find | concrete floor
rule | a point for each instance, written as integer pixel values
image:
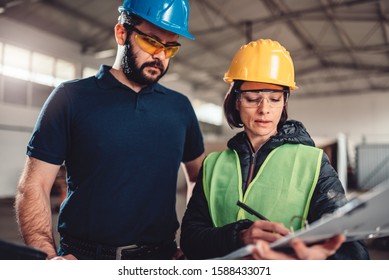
(378, 248)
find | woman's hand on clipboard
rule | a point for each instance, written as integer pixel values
(299, 250)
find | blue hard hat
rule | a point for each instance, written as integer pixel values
(171, 15)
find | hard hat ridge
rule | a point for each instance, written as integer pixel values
(171, 15)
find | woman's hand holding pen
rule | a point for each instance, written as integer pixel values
(263, 230)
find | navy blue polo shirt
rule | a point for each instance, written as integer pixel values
(122, 151)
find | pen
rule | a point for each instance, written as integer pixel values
(251, 211)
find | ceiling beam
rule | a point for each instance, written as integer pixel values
(343, 65)
(343, 92)
(92, 40)
(383, 24)
(333, 77)
(299, 14)
(306, 40)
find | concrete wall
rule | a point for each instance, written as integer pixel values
(359, 117)
(16, 123)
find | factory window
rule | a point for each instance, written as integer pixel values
(16, 62)
(28, 77)
(42, 69)
(64, 71)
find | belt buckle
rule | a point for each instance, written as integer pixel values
(120, 249)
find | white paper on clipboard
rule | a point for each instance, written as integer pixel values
(363, 217)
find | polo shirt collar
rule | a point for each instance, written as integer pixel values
(106, 80)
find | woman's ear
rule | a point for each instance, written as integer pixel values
(120, 34)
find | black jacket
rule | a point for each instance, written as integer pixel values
(200, 240)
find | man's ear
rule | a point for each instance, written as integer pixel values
(120, 34)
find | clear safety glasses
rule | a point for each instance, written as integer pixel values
(253, 98)
(152, 46)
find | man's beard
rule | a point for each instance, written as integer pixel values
(135, 73)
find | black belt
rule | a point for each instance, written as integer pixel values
(163, 250)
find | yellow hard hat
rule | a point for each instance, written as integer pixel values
(263, 61)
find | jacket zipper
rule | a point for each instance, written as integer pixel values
(252, 163)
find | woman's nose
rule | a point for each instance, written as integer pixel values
(264, 105)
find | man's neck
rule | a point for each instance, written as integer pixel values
(121, 77)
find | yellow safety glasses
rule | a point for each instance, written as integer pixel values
(152, 46)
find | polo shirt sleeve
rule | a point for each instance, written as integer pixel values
(194, 145)
(50, 137)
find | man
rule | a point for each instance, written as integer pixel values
(122, 137)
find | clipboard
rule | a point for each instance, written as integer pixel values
(363, 217)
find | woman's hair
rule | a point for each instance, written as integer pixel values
(232, 114)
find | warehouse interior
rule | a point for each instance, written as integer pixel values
(340, 50)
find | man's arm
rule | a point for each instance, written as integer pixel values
(191, 170)
(32, 205)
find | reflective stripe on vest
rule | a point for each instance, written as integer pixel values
(281, 190)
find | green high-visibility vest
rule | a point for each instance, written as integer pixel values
(281, 190)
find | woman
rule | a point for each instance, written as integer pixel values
(271, 166)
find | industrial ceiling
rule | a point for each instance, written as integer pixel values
(339, 47)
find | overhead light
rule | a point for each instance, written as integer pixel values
(209, 113)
